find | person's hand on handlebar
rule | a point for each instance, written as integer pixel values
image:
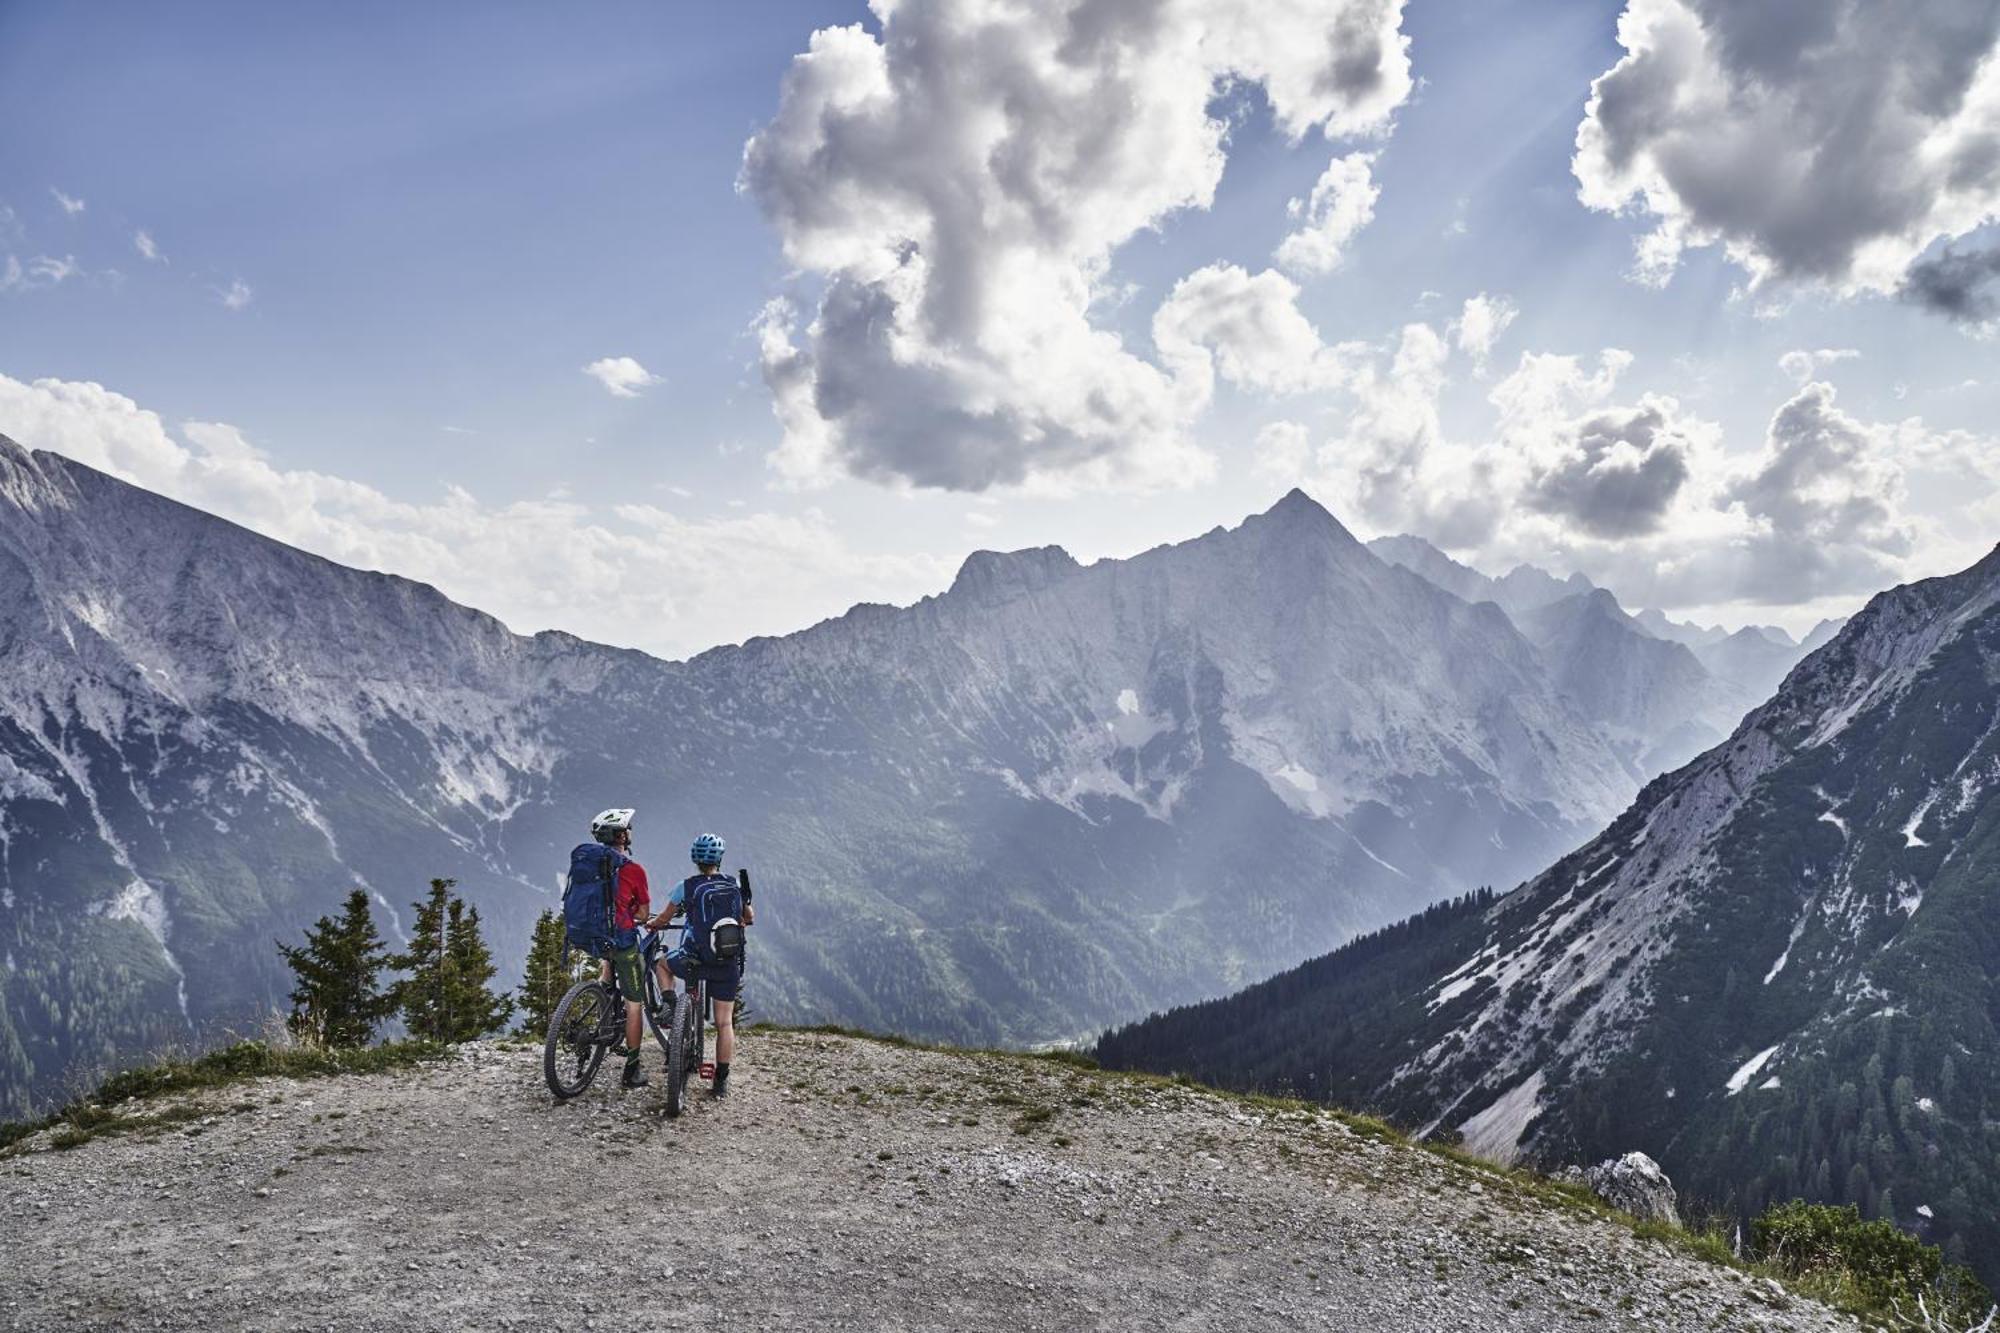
(661, 919)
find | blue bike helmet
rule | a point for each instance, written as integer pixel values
(707, 850)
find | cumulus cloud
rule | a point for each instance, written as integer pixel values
(1341, 204)
(1803, 364)
(621, 376)
(1823, 498)
(955, 189)
(1248, 327)
(1958, 285)
(68, 205)
(1607, 471)
(1479, 326)
(623, 573)
(1283, 451)
(1385, 456)
(1827, 143)
(236, 296)
(142, 241)
(1635, 490)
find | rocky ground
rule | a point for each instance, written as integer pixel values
(845, 1184)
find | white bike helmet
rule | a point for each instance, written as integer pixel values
(610, 823)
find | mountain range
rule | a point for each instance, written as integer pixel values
(1777, 972)
(1665, 690)
(1052, 797)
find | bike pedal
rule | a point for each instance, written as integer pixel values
(708, 1071)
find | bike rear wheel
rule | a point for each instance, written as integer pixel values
(574, 1047)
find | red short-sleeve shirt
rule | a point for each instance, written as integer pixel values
(633, 903)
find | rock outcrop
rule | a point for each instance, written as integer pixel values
(1634, 1184)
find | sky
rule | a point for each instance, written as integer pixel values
(673, 325)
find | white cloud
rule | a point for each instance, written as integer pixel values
(142, 241)
(1283, 452)
(1603, 470)
(1249, 328)
(1384, 458)
(1824, 499)
(236, 296)
(1825, 143)
(627, 574)
(1341, 204)
(621, 376)
(1803, 364)
(1479, 326)
(39, 272)
(1638, 492)
(960, 185)
(69, 205)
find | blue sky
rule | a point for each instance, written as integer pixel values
(433, 217)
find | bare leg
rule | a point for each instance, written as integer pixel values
(725, 1031)
(635, 1024)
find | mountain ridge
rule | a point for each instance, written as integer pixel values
(215, 736)
(1773, 972)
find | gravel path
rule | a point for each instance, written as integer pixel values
(845, 1184)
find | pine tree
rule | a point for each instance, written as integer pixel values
(336, 1000)
(421, 996)
(472, 1010)
(553, 967)
(444, 996)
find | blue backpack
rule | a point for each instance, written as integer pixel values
(714, 919)
(589, 897)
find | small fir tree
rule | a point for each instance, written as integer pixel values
(472, 1010)
(553, 967)
(420, 995)
(336, 998)
(444, 997)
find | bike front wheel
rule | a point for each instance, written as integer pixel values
(575, 1047)
(682, 1055)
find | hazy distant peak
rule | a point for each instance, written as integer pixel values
(1604, 600)
(1822, 634)
(1768, 633)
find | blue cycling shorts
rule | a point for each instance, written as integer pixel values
(723, 980)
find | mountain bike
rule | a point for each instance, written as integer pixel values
(590, 1021)
(687, 1041)
(689, 1015)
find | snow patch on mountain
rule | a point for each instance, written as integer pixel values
(140, 902)
(1749, 1069)
(1496, 1132)
(1798, 929)
(1916, 821)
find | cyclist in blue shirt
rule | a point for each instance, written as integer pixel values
(724, 980)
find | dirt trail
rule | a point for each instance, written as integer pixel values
(845, 1184)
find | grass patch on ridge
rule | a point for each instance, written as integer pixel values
(92, 1114)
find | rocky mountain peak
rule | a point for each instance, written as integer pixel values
(1004, 575)
(1297, 512)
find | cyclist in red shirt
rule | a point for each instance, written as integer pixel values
(631, 907)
